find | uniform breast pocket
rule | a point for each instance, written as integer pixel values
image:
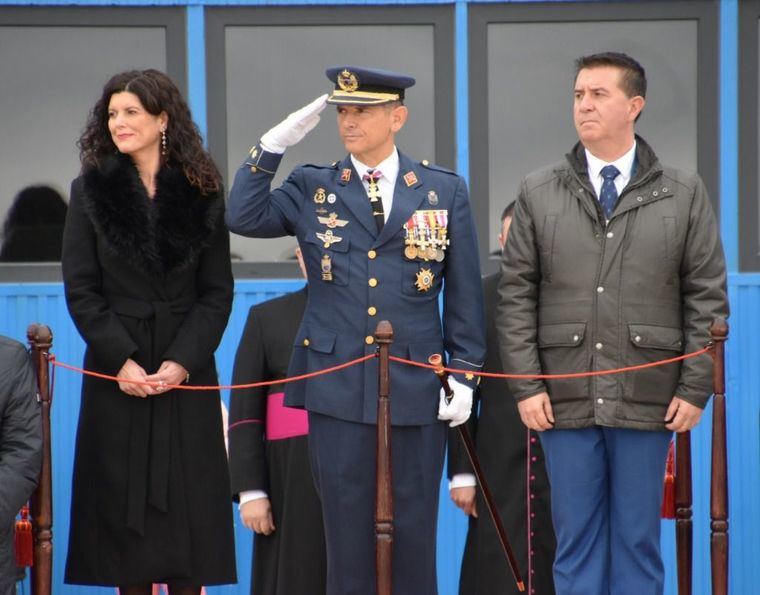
(327, 260)
(422, 278)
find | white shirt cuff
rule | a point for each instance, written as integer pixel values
(249, 495)
(460, 480)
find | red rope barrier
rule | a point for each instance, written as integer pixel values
(558, 376)
(359, 360)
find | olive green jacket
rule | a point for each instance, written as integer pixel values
(578, 295)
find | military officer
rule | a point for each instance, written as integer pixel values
(380, 233)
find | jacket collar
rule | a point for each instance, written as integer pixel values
(157, 236)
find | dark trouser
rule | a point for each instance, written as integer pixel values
(343, 462)
(607, 486)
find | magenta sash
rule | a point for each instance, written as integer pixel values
(284, 422)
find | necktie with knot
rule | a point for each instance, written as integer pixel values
(373, 192)
(608, 195)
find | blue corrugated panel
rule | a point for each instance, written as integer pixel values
(23, 304)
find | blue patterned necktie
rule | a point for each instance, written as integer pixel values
(608, 195)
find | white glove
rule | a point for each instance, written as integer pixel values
(458, 410)
(293, 128)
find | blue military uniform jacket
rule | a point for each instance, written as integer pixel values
(358, 277)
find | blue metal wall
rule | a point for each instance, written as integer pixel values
(22, 304)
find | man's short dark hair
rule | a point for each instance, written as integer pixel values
(508, 211)
(634, 79)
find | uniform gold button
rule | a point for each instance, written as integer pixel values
(371, 254)
(372, 310)
(372, 282)
(254, 169)
(369, 340)
(306, 342)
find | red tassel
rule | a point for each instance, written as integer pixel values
(668, 510)
(23, 542)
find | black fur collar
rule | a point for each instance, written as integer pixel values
(160, 235)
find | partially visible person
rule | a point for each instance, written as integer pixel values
(20, 448)
(513, 462)
(269, 456)
(613, 260)
(148, 283)
(33, 227)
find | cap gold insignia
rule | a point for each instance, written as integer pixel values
(328, 238)
(347, 81)
(326, 266)
(424, 279)
(320, 196)
(254, 152)
(410, 178)
(469, 376)
(332, 221)
(345, 175)
(432, 198)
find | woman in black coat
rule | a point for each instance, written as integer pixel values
(148, 284)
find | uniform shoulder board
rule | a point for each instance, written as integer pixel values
(434, 167)
(333, 165)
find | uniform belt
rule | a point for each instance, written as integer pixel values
(153, 419)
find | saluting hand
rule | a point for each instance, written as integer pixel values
(257, 516)
(293, 128)
(536, 412)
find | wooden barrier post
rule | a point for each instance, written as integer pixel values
(40, 339)
(384, 501)
(719, 466)
(684, 530)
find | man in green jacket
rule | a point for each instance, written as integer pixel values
(613, 260)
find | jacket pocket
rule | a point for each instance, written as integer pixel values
(561, 350)
(316, 339)
(547, 246)
(655, 386)
(422, 279)
(327, 265)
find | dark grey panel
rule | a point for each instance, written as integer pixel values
(248, 94)
(521, 79)
(749, 136)
(58, 61)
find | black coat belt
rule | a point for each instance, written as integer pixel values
(152, 420)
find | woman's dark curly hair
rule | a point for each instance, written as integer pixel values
(157, 93)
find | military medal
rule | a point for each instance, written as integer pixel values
(424, 279)
(410, 178)
(328, 238)
(432, 198)
(439, 255)
(332, 221)
(410, 251)
(331, 198)
(430, 253)
(326, 267)
(319, 196)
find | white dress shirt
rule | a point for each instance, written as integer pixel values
(624, 165)
(386, 184)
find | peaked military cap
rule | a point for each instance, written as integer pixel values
(355, 85)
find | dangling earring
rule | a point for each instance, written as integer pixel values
(163, 142)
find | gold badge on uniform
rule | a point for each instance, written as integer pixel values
(326, 267)
(425, 235)
(424, 279)
(410, 178)
(320, 196)
(347, 81)
(432, 198)
(332, 221)
(345, 175)
(328, 238)
(254, 152)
